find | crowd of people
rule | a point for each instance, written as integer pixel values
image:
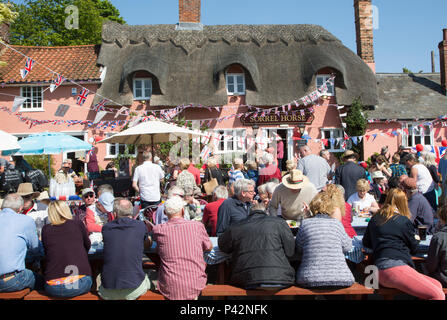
(250, 209)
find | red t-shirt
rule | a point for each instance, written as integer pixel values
(267, 173)
(210, 215)
(346, 221)
(195, 172)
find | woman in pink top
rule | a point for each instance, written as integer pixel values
(98, 217)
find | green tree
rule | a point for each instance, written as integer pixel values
(356, 124)
(51, 23)
(7, 15)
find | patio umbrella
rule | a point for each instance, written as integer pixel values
(8, 142)
(150, 132)
(50, 143)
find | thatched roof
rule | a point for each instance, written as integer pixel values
(409, 96)
(281, 60)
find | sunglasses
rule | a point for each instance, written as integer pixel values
(89, 195)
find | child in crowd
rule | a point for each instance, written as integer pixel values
(436, 262)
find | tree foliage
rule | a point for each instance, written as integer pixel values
(356, 124)
(51, 23)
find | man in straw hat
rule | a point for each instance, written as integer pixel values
(292, 195)
(34, 205)
(349, 173)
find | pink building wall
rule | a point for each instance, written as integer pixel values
(12, 124)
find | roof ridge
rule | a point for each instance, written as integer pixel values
(53, 47)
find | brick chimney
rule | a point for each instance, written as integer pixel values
(364, 32)
(189, 15)
(443, 60)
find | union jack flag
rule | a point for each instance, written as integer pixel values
(82, 96)
(56, 82)
(28, 66)
(100, 105)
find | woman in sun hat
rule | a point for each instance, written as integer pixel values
(379, 186)
(292, 195)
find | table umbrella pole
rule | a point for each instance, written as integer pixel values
(49, 166)
(152, 147)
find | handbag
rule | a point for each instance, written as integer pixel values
(209, 186)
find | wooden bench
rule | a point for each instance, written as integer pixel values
(16, 295)
(40, 295)
(36, 295)
(355, 292)
(390, 293)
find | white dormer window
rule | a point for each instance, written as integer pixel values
(321, 79)
(142, 88)
(235, 84)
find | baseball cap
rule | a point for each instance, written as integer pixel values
(87, 190)
(106, 199)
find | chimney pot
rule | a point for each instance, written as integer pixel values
(444, 31)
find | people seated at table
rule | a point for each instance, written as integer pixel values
(125, 239)
(80, 211)
(260, 247)
(379, 187)
(18, 236)
(391, 236)
(160, 216)
(323, 242)
(421, 212)
(98, 216)
(65, 240)
(33, 208)
(336, 191)
(192, 205)
(262, 195)
(146, 181)
(209, 219)
(362, 201)
(436, 262)
(290, 195)
(180, 245)
(270, 170)
(237, 207)
(424, 181)
(349, 173)
(185, 178)
(104, 188)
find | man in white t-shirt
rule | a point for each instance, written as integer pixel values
(146, 181)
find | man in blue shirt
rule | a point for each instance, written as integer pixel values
(125, 240)
(18, 234)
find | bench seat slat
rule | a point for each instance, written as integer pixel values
(16, 295)
(228, 290)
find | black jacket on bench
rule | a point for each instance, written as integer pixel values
(260, 247)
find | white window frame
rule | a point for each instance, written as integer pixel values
(325, 77)
(31, 100)
(143, 89)
(117, 146)
(228, 136)
(334, 134)
(413, 136)
(236, 92)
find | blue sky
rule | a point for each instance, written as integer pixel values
(407, 30)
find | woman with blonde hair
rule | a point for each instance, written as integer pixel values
(320, 237)
(390, 234)
(67, 271)
(362, 200)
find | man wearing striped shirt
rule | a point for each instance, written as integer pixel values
(180, 245)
